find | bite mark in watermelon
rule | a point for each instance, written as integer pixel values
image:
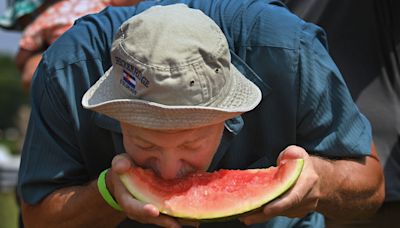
(208, 196)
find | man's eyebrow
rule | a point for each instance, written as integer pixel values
(194, 140)
(143, 140)
(199, 138)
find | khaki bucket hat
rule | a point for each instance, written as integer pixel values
(171, 69)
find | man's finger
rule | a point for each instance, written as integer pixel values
(121, 163)
(291, 152)
(166, 221)
(188, 223)
(134, 207)
(255, 218)
(146, 213)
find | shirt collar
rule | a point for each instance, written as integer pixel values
(236, 124)
(249, 73)
(106, 122)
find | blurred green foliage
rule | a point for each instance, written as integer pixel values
(11, 93)
(11, 98)
(12, 145)
(8, 210)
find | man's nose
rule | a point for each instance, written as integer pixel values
(170, 167)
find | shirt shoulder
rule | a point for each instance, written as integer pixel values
(89, 38)
(261, 23)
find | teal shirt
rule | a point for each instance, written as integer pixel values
(305, 100)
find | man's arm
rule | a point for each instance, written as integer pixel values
(356, 186)
(83, 206)
(76, 206)
(340, 189)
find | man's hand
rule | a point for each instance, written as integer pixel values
(301, 199)
(345, 189)
(134, 209)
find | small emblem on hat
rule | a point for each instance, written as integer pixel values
(128, 81)
(132, 71)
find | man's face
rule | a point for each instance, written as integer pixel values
(172, 153)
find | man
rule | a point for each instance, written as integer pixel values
(168, 101)
(371, 33)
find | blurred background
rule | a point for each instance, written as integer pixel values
(14, 112)
(42, 22)
(364, 41)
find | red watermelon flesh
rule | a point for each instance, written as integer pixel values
(204, 196)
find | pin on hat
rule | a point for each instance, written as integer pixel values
(171, 70)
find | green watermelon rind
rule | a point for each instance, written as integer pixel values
(210, 217)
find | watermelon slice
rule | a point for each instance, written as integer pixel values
(210, 196)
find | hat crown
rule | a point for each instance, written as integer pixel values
(176, 55)
(171, 70)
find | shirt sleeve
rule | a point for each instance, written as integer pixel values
(50, 157)
(329, 122)
(62, 136)
(291, 57)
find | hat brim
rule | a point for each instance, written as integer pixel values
(102, 97)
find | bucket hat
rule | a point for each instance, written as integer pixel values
(171, 69)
